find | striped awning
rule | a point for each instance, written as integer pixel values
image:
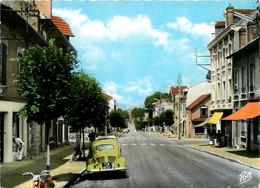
(203, 123)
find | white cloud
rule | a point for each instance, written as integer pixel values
(196, 30)
(117, 28)
(139, 87)
(111, 88)
(142, 87)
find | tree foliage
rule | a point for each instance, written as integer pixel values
(148, 102)
(87, 105)
(168, 117)
(117, 119)
(45, 73)
(138, 113)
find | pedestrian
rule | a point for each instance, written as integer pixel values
(19, 151)
(218, 137)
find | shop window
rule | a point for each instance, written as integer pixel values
(199, 130)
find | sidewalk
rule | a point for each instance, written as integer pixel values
(249, 158)
(62, 168)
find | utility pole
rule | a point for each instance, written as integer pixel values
(179, 81)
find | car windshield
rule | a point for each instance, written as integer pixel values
(105, 147)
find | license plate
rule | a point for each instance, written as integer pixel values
(107, 165)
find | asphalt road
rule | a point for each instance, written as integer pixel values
(157, 162)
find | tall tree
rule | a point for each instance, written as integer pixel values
(138, 113)
(87, 105)
(44, 76)
(168, 117)
(117, 119)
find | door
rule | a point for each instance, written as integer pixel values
(1, 137)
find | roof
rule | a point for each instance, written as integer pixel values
(62, 26)
(197, 101)
(220, 24)
(107, 96)
(157, 103)
(175, 90)
(244, 11)
(250, 110)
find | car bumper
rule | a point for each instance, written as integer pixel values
(122, 169)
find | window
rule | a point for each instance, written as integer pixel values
(199, 130)
(236, 81)
(3, 64)
(19, 54)
(243, 79)
(15, 128)
(204, 111)
(251, 76)
(105, 147)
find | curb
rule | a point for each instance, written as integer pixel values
(224, 157)
(71, 180)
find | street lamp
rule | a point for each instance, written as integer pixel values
(179, 80)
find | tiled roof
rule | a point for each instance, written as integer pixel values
(62, 26)
(175, 90)
(199, 119)
(220, 24)
(244, 11)
(109, 97)
(197, 101)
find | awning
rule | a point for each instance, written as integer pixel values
(250, 110)
(203, 123)
(216, 116)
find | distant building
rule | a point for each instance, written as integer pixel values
(175, 96)
(111, 102)
(198, 112)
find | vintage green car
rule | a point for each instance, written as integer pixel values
(104, 156)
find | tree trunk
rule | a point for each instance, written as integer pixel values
(83, 145)
(48, 127)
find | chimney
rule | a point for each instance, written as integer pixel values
(242, 37)
(229, 15)
(251, 31)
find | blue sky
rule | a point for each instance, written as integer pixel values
(135, 48)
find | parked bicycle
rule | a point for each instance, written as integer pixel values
(44, 180)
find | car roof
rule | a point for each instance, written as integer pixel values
(106, 138)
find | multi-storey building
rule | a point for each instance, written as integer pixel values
(178, 96)
(24, 24)
(246, 84)
(223, 45)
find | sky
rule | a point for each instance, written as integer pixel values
(136, 48)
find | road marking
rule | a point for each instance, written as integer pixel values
(162, 144)
(124, 144)
(143, 144)
(152, 144)
(133, 144)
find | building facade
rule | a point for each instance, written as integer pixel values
(23, 24)
(196, 113)
(226, 41)
(246, 84)
(178, 96)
